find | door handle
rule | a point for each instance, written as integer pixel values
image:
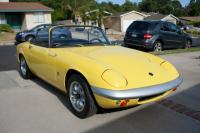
(52, 54)
(30, 46)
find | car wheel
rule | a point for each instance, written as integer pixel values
(24, 70)
(80, 97)
(29, 38)
(158, 46)
(188, 44)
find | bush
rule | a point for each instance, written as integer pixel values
(194, 32)
(5, 28)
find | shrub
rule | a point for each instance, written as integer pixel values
(5, 28)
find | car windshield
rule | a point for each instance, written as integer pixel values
(140, 26)
(62, 36)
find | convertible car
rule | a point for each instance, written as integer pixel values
(94, 73)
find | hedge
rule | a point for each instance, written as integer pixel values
(5, 28)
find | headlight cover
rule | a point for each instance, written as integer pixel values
(169, 67)
(114, 78)
(21, 33)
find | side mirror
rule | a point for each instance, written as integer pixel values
(179, 31)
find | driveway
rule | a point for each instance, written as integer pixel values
(32, 106)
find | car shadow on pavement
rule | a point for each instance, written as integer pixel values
(63, 97)
(8, 58)
(58, 93)
(158, 117)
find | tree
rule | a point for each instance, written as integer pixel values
(148, 6)
(129, 6)
(193, 9)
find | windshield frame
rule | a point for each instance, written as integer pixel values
(81, 26)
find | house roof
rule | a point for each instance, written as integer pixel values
(120, 14)
(23, 7)
(159, 16)
(156, 17)
(189, 18)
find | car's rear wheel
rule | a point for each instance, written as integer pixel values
(188, 44)
(24, 69)
(80, 97)
(158, 46)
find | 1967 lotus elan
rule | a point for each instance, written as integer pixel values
(94, 73)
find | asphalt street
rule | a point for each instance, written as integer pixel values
(33, 106)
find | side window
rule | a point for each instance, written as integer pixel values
(173, 28)
(42, 37)
(165, 27)
(130, 28)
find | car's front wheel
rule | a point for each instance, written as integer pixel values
(80, 97)
(24, 69)
(158, 46)
(29, 38)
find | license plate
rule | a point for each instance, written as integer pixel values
(134, 35)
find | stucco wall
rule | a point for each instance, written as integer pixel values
(170, 19)
(4, 0)
(112, 23)
(30, 20)
(127, 19)
(132, 16)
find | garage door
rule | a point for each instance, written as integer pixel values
(125, 24)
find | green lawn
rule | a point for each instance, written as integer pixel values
(193, 49)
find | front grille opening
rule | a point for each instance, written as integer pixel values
(150, 97)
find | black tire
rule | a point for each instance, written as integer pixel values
(89, 107)
(29, 38)
(158, 46)
(24, 69)
(188, 44)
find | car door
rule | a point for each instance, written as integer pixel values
(38, 56)
(42, 59)
(166, 35)
(177, 38)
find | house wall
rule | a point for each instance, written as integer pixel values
(112, 23)
(31, 19)
(170, 19)
(4, 0)
(126, 20)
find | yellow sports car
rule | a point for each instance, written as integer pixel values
(80, 61)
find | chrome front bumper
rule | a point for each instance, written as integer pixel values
(138, 92)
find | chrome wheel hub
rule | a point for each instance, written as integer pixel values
(23, 66)
(77, 96)
(158, 47)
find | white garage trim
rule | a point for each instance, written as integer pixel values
(125, 24)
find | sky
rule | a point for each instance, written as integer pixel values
(183, 2)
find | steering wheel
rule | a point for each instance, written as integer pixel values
(95, 40)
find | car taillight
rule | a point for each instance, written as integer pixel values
(147, 36)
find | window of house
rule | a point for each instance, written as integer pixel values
(39, 17)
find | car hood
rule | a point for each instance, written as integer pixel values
(137, 67)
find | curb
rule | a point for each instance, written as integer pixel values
(6, 43)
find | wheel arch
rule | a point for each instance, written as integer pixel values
(74, 71)
(28, 35)
(190, 39)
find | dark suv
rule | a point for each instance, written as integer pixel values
(156, 35)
